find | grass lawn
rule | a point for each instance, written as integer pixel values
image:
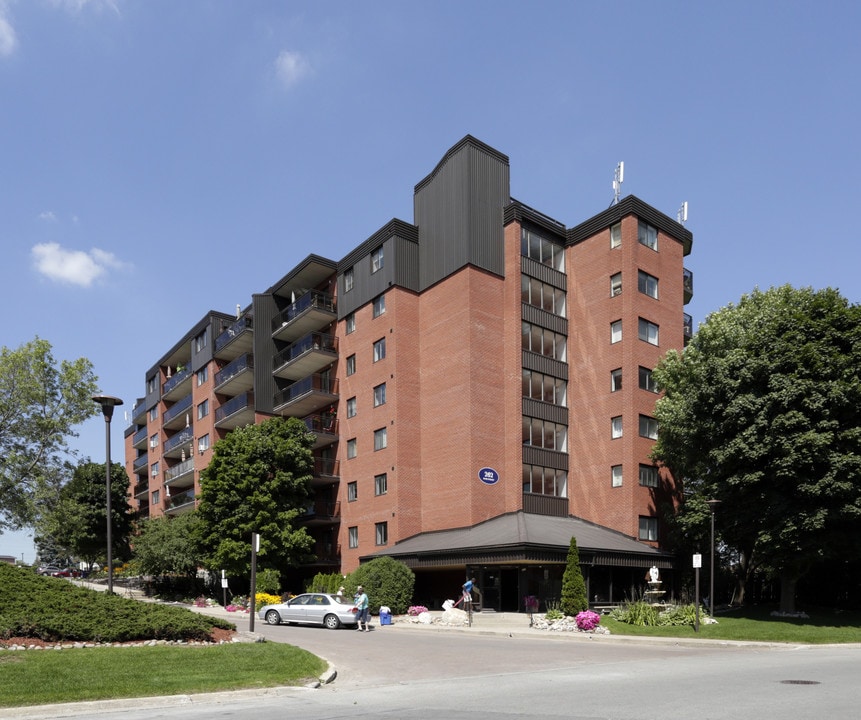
(37, 677)
(757, 624)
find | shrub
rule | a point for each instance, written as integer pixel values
(268, 581)
(574, 598)
(553, 614)
(587, 620)
(416, 610)
(679, 615)
(636, 613)
(386, 581)
(261, 599)
(325, 583)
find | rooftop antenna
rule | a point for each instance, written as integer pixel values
(618, 179)
(682, 214)
(238, 311)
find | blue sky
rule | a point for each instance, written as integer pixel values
(162, 158)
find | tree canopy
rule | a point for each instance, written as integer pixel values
(761, 412)
(256, 482)
(166, 546)
(40, 405)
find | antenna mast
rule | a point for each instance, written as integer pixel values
(618, 179)
(682, 214)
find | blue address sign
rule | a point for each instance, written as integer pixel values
(488, 476)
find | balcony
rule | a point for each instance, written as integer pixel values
(141, 489)
(326, 472)
(306, 396)
(139, 413)
(140, 466)
(237, 339)
(181, 475)
(310, 312)
(177, 385)
(326, 553)
(177, 414)
(324, 426)
(688, 328)
(178, 504)
(175, 445)
(312, 353)
(140, 438)
(688, 285)
(322, 512)
(235, 377)
(235, 412)
(545, 505)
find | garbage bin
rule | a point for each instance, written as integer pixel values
(385, 618)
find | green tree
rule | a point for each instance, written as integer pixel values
(77, 521)
(386, 581)
(761, 412)
(40, 405)
(573, 599)
(166, 546)
(256, 482)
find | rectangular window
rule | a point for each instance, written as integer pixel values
(153, 441)
(648, 476)
(155, 497)
(200, 341)
(616, 427)
(541, 295)
(647, 382)
(202, 444)
(352, 491)
(616, 236)
(616, 380)
(616, 331)
(379, 349)
(647, 332)
(615, 284)
(154, 469)
(616, 476)
(647, 235)
(153, 412)
(380, 395)
(202, 375)
(353, 537)
(544, 388)
(648, 427)
(647, 284)
(545, 434)
(351, 448)
(381, 531)
(151, 384)
(649, 529)
(543, 341)
(381, 484)
(377, 260)
(351, 364)
(380, 439)
(379, 305)
(545, 481)
(203, 410)
(351, 407)
(350, 323)
(348, 280)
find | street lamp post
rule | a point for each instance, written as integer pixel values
(712, 507)
(107, 403)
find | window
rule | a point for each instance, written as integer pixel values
(380, 439)
(648, 427)
(543, 341)
(155, 497)
(351, 448)
(153, 412)
(202, 444)
(545, 434)
(545, 388)
(616, 380)
(538, 294)
(377, 259)
(647, 235)
(648, 332)
(203, 410)
(616, 427)
(153, 469)
(202, 375)
(616, 476)
(348, 280)
(616, 236)
(380, 395)
(615, 331)
(200, 341)
(381, 484)
(351, 407)
(616, 284)
(647, 382)
(647, 284)
(649, 529)
(648, 476)
(350, 323)
(381, 532)
(379, 305)
(153, 441)
(379, 349)
(353, 537)
(542, 250)
(351, 364)
(545, 481)
(151, 385)
(352, 491)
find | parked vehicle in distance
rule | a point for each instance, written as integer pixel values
(48, 570)
(67, 572)
(310, 609)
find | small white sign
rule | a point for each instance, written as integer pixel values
(224, 582)
(698, 560)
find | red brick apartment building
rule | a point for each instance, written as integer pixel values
(478, 382)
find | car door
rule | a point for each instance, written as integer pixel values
(296, 609)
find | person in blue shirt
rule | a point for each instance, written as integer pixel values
(361, 601)
(467, 592)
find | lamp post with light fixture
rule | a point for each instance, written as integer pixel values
(712, 507)
(108, 403)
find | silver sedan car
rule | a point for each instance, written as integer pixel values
(310, 609)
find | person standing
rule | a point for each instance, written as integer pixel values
(466, 590)
(361, 601)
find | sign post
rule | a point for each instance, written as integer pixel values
(252, 600)
(698, 563)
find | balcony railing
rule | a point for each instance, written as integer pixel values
(177, 409)
(318, 382)
(181, 438)
(172, 382)
(323, 510)
(177, 471)
(688, 327)
(242, 363)
(140, 489)
(688, 285)
(325, 467)
(175, 501)
(313, 341)
(138, 410)
(225, 338)
(322, 423)
(140, 462)
(310, 300)
(234, 405)
(139, 437)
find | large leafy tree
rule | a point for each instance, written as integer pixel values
(41, 402)
(77, 522)
(761, 412)
(166, 546)
(256, 482)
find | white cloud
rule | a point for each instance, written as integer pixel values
(73, 266)
(291, 67)
(48, 216)
(76, 6)
(8, 38)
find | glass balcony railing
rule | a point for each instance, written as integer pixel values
(244, 323)
(313, 341)
(140, 462)
(183, 468)
(310, 300)
(688, 327)
(313, 383)
(175, 501)
(181, 438)
(243, 362)
(175, 410)
(175, 380)
(240, 402)
(688, 285)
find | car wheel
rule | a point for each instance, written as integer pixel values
(331, 622)
(273, 618)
